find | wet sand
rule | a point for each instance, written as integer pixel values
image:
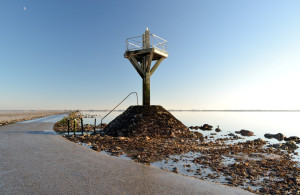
(36, 161)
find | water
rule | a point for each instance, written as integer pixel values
(229, 122)
(258, 122)
(99, 116)
(52, 118)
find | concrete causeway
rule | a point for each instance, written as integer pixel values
(34, 160)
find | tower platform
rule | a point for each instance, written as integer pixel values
(140, 54)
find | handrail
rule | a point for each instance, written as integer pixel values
(137, 102)
(136, 43)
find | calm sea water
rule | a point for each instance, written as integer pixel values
(258, 122)
(229, 122)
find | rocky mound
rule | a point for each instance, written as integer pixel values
(142, 121)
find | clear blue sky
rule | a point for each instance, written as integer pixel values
(222, 54)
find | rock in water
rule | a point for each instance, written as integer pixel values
(206, 127)
(218, 129)
(151, 121)
(245, 132)
(175, 170)
(293, 138)
(278, 136)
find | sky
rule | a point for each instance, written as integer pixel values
(223, 54)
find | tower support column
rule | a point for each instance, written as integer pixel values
(146, 89)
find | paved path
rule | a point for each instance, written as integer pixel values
(33, 160)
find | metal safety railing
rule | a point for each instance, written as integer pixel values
(137, 102)
(136, 43)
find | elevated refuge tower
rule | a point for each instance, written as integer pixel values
(141, 51)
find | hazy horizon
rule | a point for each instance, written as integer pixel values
(231, 54)
(170, 109)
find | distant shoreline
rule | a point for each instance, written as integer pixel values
(13, 116)
(106, 110)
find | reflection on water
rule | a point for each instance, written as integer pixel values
(258, 122)
(99, 116)
(229, 122)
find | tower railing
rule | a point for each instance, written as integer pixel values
(136, 43)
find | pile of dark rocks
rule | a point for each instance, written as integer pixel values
(151, 121)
